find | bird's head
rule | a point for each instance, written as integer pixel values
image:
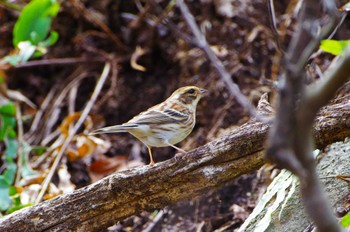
(188, 95)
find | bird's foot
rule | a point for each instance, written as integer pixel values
(151, 163)
(179, 155)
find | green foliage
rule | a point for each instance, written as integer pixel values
(335, 47)
(26, 168)
(5, 200)
(8, 121)
(31, 34)
(8, 109)
(8, 136)
(345, 222)
(2, 79)
(10, 200)
(39, 150)
(35, 21)
(346, 7)
(16, 201)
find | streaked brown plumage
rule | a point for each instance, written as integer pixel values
(165, 124)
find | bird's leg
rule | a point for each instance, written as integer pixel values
(150, 156)
(177, 148)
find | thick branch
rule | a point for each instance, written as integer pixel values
(127, 193)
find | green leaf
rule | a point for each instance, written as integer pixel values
(35, 21)
(10, 173)
(11, 149)
(26, 168)
(16, 203)
(12, 191)
(5, 200)
(346, 7)
(11, 133)
(2, 79)
(7, 126)
(335, 47)
(8, 121)
(8, 109)
(51, 40)
(39, 150)
(345, 221)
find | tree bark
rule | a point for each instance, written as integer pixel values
(102, 204)
(288, 216)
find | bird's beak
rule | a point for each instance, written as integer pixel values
(203, 91)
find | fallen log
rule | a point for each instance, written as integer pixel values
(126, 193)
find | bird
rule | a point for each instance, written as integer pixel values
(165, 124)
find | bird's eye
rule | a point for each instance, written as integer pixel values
(191, 91)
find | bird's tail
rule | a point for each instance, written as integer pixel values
(113, 129)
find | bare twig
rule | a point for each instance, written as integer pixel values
(72, 97)
(162, 20)
(112, 89)
(39, 114)
(55, 108)
(271, 7)
(59, 61)
(225, 76)
(91, 17)
(20, 141)
(10, 5)
(72, 133)
(282, 32)
(47, 116)
(154, 221)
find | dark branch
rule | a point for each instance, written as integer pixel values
(291, 139)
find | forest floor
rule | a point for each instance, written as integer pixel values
(156, 37)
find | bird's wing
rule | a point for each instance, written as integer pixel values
(159, 117)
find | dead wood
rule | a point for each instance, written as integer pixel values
(102, 204)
